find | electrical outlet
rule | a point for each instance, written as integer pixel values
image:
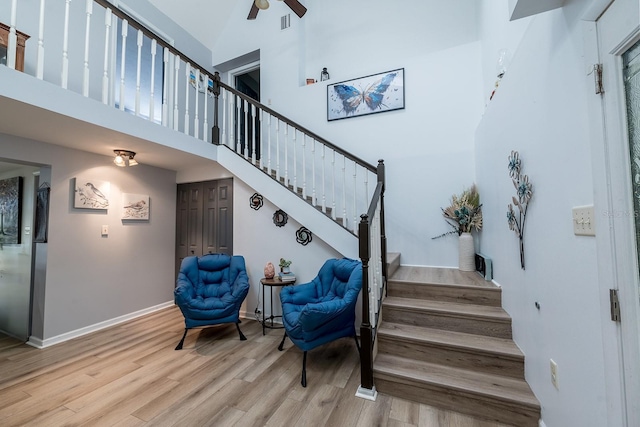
(583, 221)
(554, 373)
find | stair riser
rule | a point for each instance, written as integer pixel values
(489, 363)
(455, 400)
(449, 293)
(471, 325)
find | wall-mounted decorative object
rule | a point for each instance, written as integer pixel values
(42, 214)
(324, 75)
(135, 207)
(280, 218)
(303, 236)
(91, 193)
(524, 191)
(256, 201)
(366, 95)
(10, 210)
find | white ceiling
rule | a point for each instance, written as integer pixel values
(203, 19)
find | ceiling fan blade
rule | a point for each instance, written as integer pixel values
(254, 11)
(297, 7)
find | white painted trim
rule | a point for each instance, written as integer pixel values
(241, 70)
(365, 393)
(38, 343)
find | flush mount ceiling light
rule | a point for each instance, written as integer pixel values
(257, 5)
(124, 158)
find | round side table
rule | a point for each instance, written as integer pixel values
(271, 283)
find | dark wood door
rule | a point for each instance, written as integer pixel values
(204, 219)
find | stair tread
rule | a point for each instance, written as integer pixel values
(471, 342)
(506, 389)
(450, 308)
(441, 276)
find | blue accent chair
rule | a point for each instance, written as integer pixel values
(322, 310)
(210, 290)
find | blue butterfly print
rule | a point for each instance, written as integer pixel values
(372, 96)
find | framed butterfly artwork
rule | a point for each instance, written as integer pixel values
(376, 93)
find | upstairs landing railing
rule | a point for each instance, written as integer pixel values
(106, 54)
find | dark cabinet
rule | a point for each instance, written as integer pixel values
(204, 219)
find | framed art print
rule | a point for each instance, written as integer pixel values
(377, 93)
(91, 193)
(135, 206)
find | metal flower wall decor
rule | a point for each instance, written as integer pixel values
(521, 201)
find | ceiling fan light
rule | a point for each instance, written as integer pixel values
(262, 4)
(132, 162)
(119, 161)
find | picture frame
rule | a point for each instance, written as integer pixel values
(10, 211)
(91, 193)
(135, 207)
(376, 93)
(42, 215)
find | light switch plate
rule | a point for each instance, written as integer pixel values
(583, 221)
(105, 230)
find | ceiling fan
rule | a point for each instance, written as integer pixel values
(295, 5)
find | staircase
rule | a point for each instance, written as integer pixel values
(445, 341)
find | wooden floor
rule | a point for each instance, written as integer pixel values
(130, 375)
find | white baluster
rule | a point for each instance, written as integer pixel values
(205, 123)
(286, 154)
(333, 185)
(344, 190)
(40, 60)
(304, 166)
(278, 150)
(196, 119)
(246, 142)
(138, 68)
(123, 57)
(253, 133)
(186, 98)
(269, 146)
(165, 87)
(12, 45)
(105, 65)
(366, 190)
(324, 192)
(232, 122)
(238, 143)
(224, 118)
(65, 47)
(314, 200)
(355, 212)
(295, 161)
(152, 112)
(176, 67)
(260, 133)
(85, 77)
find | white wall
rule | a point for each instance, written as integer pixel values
(428, 146)
(540, 110)
(90, 278)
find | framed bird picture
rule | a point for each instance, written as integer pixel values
(91, 193)
(135, 207)
(377, 93)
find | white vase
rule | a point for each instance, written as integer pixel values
(466, 253)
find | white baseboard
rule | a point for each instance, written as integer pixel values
(39, 343)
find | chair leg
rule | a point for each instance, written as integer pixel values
(357, 343)
(281, 346)
(242, 337)
(179, 346)
(304, 370)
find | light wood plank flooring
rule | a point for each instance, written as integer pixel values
(130, 375)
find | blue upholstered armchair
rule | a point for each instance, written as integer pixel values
(210, 290)
(322, 310)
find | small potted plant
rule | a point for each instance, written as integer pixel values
(464, 214)
(284, 265)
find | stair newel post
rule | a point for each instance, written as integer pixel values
(215, 131)
(383, 235)
(366, 351)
